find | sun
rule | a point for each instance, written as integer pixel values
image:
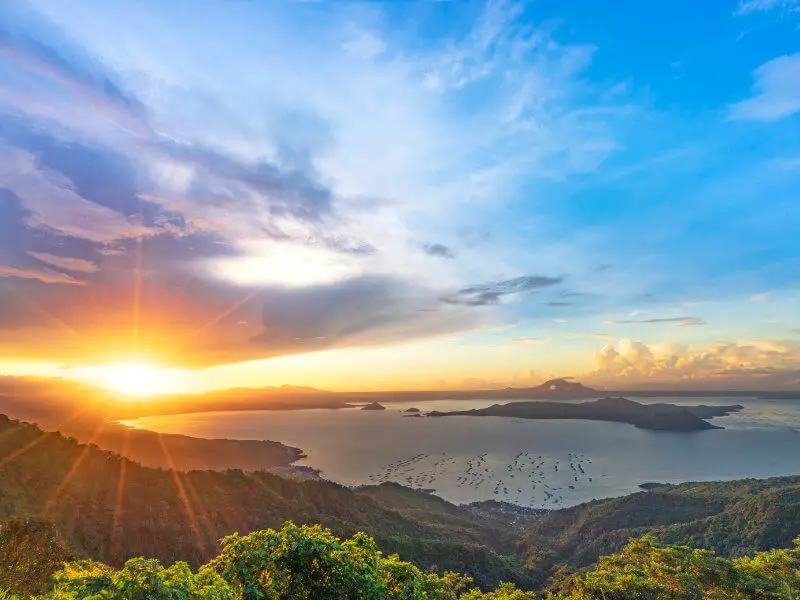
(136, 379)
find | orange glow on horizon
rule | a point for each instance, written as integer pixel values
(134, 379)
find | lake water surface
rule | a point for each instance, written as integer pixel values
(547, 463)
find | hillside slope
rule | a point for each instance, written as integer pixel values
(109, 508)
(732, 518)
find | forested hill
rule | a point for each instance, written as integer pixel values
(732, 518)
(110, 509)
(105, 507)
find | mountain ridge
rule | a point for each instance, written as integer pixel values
(658, 417)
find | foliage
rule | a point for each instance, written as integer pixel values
(139, 579)
(646, 569)
(295, 563)
(30, 552)
(734, 518)
(505, 591)
(310, 563)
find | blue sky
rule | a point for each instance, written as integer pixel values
(501, 191)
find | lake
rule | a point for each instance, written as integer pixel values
(547, 463)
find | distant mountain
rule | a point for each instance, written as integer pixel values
(556, 388)
(666, 417)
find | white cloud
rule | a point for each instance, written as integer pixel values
(776, 91)
(747, 7)
(401, 126)
(636, 361)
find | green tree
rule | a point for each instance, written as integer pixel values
(647, 570)
(295, 563)
(30, 553)
(139, 579)
(310, 563)
(505, 591)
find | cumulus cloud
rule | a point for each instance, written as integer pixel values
(776, 91)
(636, 362)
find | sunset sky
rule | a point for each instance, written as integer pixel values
(402, 194)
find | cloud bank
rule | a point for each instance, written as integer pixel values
(759, 365)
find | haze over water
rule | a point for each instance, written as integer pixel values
(546, 463)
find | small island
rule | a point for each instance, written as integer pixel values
(373, 406)
(657, 417)
(652, 485)
(411, 410)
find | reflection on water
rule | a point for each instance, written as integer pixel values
(537, 463)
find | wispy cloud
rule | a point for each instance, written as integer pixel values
(75, 74)
(776, 91)
(527, 340)
(678, 321)
(53, 205)
(352, 193)
(76, 265)
(43, 275)
(747, 7)
(491, 293)
(598, 335)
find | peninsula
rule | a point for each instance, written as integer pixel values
(662, 417)
(373, 406)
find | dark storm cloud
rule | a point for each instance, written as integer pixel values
(439, 250)
(490, 293)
